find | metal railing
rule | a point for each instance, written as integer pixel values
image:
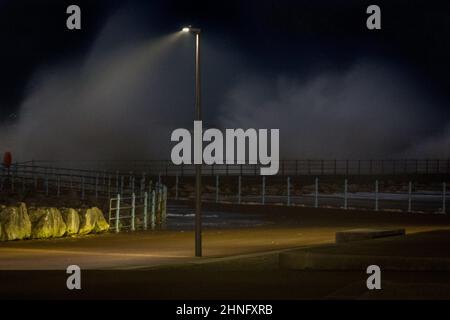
(246, 188)
(135, 195)
(22, 177)
(133, 212)
(368, 194)
(299, 167)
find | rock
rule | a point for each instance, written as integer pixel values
(87, 221)
(47, 223)
(101, 224)
(15, 223)
(92, 220)
(71, 219)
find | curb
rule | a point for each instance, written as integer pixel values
(305, 260)
(366, 234)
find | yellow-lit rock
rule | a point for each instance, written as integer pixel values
(47, 223)
(92, 220)
(15, 223)
(71, 219)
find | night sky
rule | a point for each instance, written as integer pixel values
(294, 46)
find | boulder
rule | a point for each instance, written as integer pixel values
(15, 223)
(1, 209)
(47, 223)
(101, 224)
(92, 220)
(87, 221)
(71, 219)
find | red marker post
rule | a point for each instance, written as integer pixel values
(7, 160)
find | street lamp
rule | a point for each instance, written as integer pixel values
(198, 167)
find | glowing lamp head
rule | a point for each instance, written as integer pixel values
(191, 29)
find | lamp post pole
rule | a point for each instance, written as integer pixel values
(198, 167)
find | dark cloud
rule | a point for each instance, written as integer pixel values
(368, 111)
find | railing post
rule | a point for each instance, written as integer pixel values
(217, 188)
(288, 191)
(46, 182)
(239, 189)
(118, 214)
(163, 207)
(409, 196)
(444, 191)
(12, 180)
(263, 190)
(109, 185)
(144, 180)
(176, 187)
(150, 186)
(153, 214)
(58, 186)
(35, 181)
(133, 211)
(142, 185)
(145, 210)
(130, 181)
(376, 195)
(158, 204)
(316, 193)
(32, 172)
(82, 188)
(2, 178)
(96, 186)
(122, 181)
(345, 194)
